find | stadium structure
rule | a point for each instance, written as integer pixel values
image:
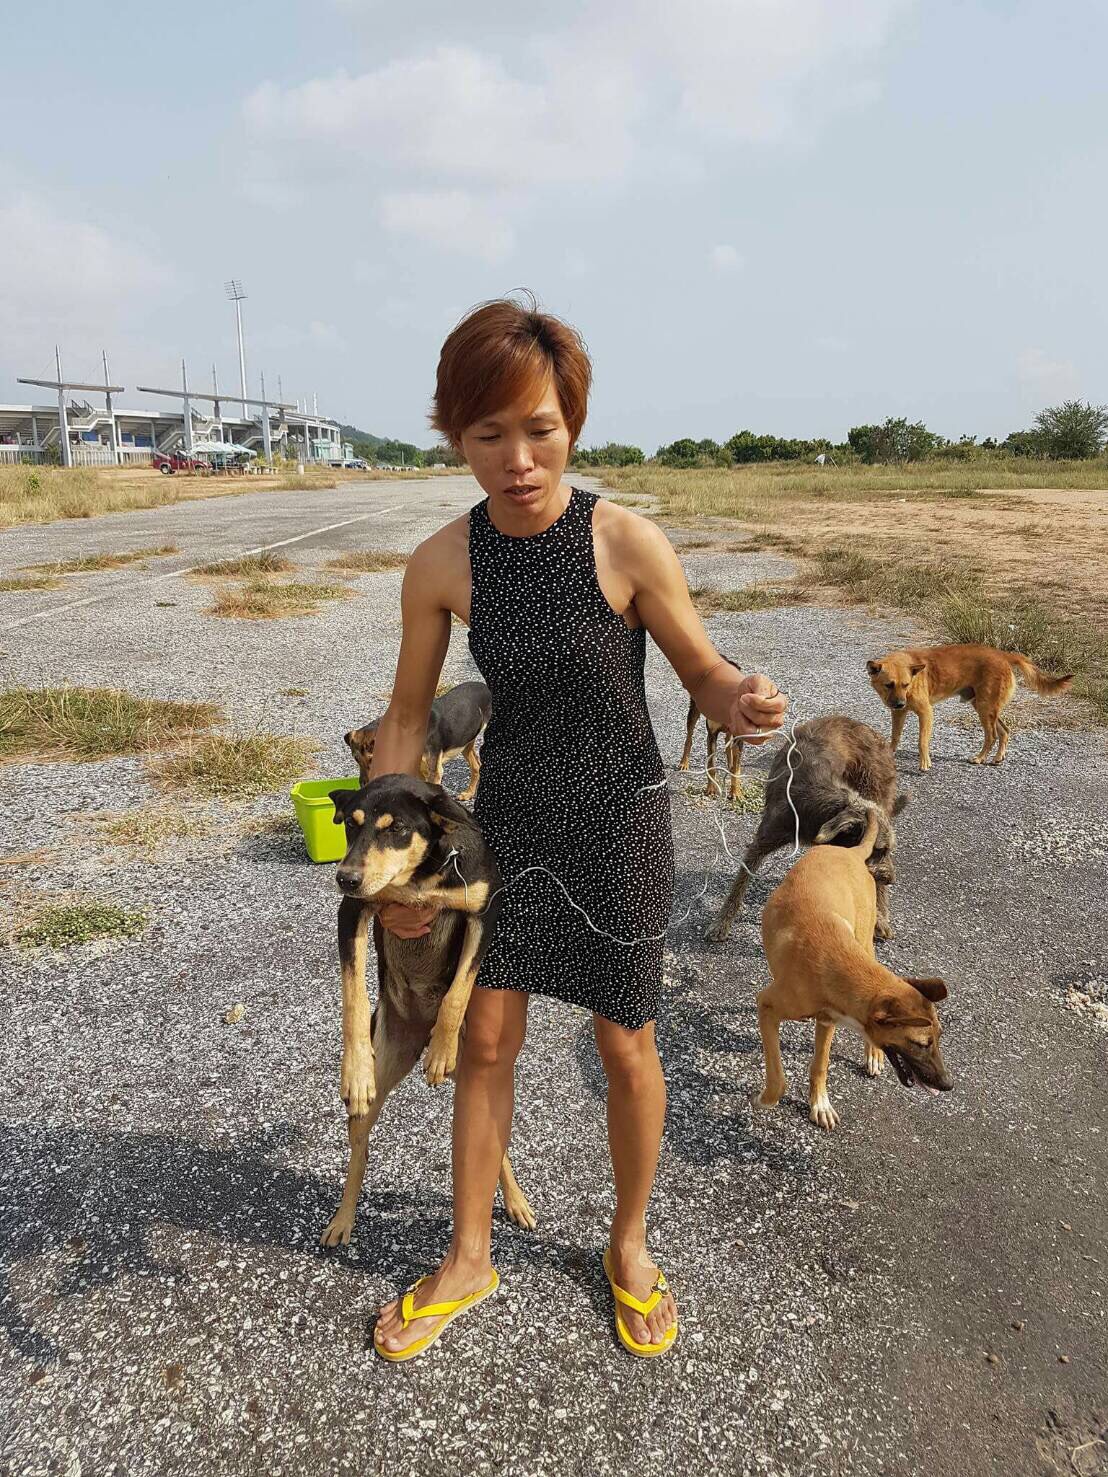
(75, 431)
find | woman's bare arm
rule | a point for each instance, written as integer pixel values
(743, 704)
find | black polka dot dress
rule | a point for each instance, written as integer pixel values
(572, 783)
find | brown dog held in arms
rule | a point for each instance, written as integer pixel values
(457, 720)
(817, 928)
(840, 767)
(911, 680)
(408, 842)
(733, 749)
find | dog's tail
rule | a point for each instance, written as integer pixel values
(1035, 679)
(858, 811)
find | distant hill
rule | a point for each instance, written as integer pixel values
(351, 433)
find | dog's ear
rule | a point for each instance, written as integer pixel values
(917, 667)
(343, 801)
(448, 813)
(873, 667)
(930, 988)
(890, 1011)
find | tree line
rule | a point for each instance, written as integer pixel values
(1074, 430)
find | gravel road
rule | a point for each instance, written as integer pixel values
(921, 1291)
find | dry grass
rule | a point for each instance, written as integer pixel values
(263, 599)
(90, 563)
(83, 723)
(368, 561)
(294, 692)
(751, 597)
(266, 562)
(28, 582)
(236, 765)
(59, 924)
(148, 829)
(44, 494)
(751, 491)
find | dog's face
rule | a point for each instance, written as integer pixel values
(892, 676)
(360, 742)
(906, 1028)
(391, 825)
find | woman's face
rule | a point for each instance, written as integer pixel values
(519, 453)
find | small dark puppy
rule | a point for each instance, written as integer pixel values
(838, 766)
(408, 842)
(733, 748)
(457, 720)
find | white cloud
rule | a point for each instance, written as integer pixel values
(1042, 379)
(725, 258)
(583, 98)
(458, 115)
(64, 277)
(450, 218)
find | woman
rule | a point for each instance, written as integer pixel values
(559, 589)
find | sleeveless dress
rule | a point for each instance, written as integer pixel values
(571, 778)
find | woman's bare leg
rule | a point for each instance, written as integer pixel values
(636, 1113)
(483, 1099)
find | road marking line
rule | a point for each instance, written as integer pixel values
(177, 573)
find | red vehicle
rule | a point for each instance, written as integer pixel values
(178, 461)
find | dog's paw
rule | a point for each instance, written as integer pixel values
(822, 1113)
(883, 930)
(875, 1060)
(683, 767)
(769, 1097)
(925, 765)
(442, 1058)
(718, 933)
(338, 1229)
(357, 1081)
(518, 1209)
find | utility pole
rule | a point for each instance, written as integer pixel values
(63, 423)
(237, 296)
(266, 446)
(108, 407)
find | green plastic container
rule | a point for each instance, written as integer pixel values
(315, 810)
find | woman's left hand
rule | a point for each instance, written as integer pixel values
(757, 707)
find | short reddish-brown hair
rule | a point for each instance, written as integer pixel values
(497, 352)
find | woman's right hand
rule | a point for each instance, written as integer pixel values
(407, 922)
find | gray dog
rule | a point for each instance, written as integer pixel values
(841, 770)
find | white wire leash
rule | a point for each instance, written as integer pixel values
(790, 733)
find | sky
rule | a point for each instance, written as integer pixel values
(792, 216)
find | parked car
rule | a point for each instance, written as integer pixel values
(355, 464)
(177, 461)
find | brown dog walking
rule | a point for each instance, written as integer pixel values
(910, 681)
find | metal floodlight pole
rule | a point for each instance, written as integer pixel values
(186, 407)
(266, 444)
(237, 296)
(63, 423)
(113, 431)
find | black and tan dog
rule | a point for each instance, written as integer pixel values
(911, 681)
(817, 928)
(408, 842)
(457, 720)
(839, 769)
(733, 749)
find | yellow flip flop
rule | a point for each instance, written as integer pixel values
(445, 1312)
(621, 1295)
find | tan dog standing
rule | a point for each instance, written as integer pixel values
(913, 679)
(817, 928)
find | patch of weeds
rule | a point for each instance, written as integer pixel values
(260, 599)
(146, 829)
(368, 561)
(92, 722)
(241, 765)
(28, 582)
(90, 563)
(248, 564)
(62, 924)
(294, 692)
(752, 597)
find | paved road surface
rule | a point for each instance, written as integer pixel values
(164, 1177)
